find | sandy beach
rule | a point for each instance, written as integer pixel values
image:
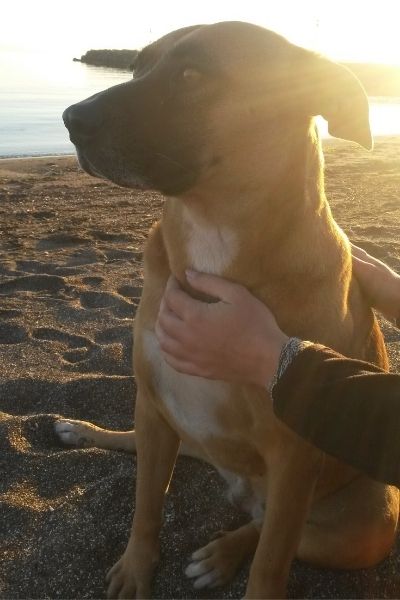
(70, 282)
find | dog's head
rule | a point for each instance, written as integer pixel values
(203, 97)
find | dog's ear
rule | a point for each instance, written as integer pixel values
(331, 90)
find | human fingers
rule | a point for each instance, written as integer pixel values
(181, 303)
(172, 284)
(184, 366)
(170, 322)
(165, 309)
(169, 344)
(363, 266)
(358, 252)
(215, 286)
(373, 274)
(363, 260)
(381, 285)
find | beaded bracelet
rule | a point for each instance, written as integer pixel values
(288, 353)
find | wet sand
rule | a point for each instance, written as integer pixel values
(70, 281)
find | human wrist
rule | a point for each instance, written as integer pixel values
(268, 359)
(292, 347)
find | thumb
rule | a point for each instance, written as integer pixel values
(212, 285)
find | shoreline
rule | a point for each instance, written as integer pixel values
(326, 141)
(34, 156)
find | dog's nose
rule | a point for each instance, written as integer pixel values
(82, 120)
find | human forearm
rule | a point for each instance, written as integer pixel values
(347, 408)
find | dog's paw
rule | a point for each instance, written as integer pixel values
(74, 433)
(215, 564)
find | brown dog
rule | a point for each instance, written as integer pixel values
(219, 118)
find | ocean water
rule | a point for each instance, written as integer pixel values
(35, 89)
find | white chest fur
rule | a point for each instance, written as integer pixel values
(191, 401)
(210, 249)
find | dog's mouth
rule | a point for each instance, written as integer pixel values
(111, 169)
(143, 170)
(87, 166)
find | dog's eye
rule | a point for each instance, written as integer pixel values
(190, 75)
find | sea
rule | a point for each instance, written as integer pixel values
(35, 88)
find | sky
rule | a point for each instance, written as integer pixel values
(352, 30)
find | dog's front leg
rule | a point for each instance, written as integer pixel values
(291, 482)
(157, 447)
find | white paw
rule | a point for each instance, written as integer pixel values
(216, 563)
(203, 570)
(72, 433)
(202, 576)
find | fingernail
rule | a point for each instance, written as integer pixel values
(190, 274)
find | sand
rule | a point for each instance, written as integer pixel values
(70, 282)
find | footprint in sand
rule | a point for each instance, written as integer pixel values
(34, 266)
(121, 254)
(105, 236)
(60, 240)
(120, 333)
(10, 313)
(43, 214)
(50, 334)
(48, 268)
(12, 333)
(33, 283)
(109, 360)
(8, 268)
(86, 356)
(130, 291)
(76, 355)
(98, 300)
(92, 280)
(86, 256)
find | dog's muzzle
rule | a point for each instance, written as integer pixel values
(83, 120)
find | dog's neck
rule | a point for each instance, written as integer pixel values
(263, 238)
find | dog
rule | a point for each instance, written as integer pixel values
(220, 119)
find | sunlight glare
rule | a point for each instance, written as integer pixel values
(345, 29)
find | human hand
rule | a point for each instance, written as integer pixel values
(380, 283)
(234, 339)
